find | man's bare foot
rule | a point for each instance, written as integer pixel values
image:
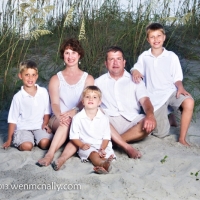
(183, 142)
(133, 153)
(58, 163)
(45, 161)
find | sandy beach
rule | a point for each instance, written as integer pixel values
(166, 171)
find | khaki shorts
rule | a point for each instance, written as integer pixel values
(33, 136)
(161, 114)
(121, 124)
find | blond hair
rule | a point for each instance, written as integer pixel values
(27, 64)
(154, 27)
(92, 88)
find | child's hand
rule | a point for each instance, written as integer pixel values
(46, 127)
(137, 76)
(85, 146)
(6, 144)
(102, 153)
(183, 92)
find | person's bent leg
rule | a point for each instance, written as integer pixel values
(69, 150)
(25, 146)
(116, 138)
(58, 140)
(187, 112)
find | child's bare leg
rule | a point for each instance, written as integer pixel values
(70, 150)
(132, 153)
(187, 106)
(172, 120)
(100, 163)
(44, 143)
(58, 140)
(25, 146)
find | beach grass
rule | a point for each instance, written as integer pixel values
(35, 29)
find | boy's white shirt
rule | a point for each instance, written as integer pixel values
(90, 131)
(26, 111)
(160, 74)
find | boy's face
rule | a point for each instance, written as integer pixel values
(156, 39)
(91, 100)
(29, 77)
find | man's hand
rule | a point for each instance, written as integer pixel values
(149, 123)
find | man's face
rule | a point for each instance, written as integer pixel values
(115, 64)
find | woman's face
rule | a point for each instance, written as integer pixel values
(71, 57)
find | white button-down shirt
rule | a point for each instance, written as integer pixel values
(27, 111)
(160, 74)
(90, 131)
(121, 97)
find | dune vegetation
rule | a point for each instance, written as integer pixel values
(34, 29)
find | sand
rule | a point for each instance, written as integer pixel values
(144, 179)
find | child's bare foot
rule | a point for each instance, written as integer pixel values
(183, 142)
(133, 153)
(58, 163)
(45, 161)
(106, 166)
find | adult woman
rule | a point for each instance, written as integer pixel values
(65, 90)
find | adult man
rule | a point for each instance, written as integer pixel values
(121, 101)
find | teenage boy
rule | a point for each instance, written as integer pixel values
(163, 77)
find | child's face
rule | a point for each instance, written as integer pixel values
(91, 100)
(156, 39)
(29, 77)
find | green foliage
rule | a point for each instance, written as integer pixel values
(196, 175)
(31, 29)
(164, 159)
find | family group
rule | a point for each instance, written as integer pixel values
(84, 115)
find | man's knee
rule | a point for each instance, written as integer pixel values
(188, 104)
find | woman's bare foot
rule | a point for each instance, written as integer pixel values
(106, 166)
(58, 163)
(45, 161)
(133, 153)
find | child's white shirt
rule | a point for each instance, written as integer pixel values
(27, 111)
(160, 74)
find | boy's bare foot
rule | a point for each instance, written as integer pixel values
(183, 142)
(106, 166)
(133, 153)
(45, 161)
(58, 163)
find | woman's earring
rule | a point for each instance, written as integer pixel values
(79, 62)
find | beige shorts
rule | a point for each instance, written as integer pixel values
(121, 124)
(33, 136)
(161, 114)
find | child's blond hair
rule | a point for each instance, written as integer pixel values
(27, 64)
(92, 88)
(154, 27)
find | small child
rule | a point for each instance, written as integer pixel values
(90, 131)
(29, 112)
(163, 77)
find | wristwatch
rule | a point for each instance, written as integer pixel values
(76, 108)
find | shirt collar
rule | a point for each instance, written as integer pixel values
(25, 94)
(125, 74)
(163, 54)
(83, 114)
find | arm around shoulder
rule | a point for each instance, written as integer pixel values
(89, 80)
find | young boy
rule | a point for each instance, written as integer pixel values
(29, 112)
(163, 77)
(90, 131)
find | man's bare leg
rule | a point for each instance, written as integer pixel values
(69, 151)
(58, 140)
(116, 137)
(188, 106)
